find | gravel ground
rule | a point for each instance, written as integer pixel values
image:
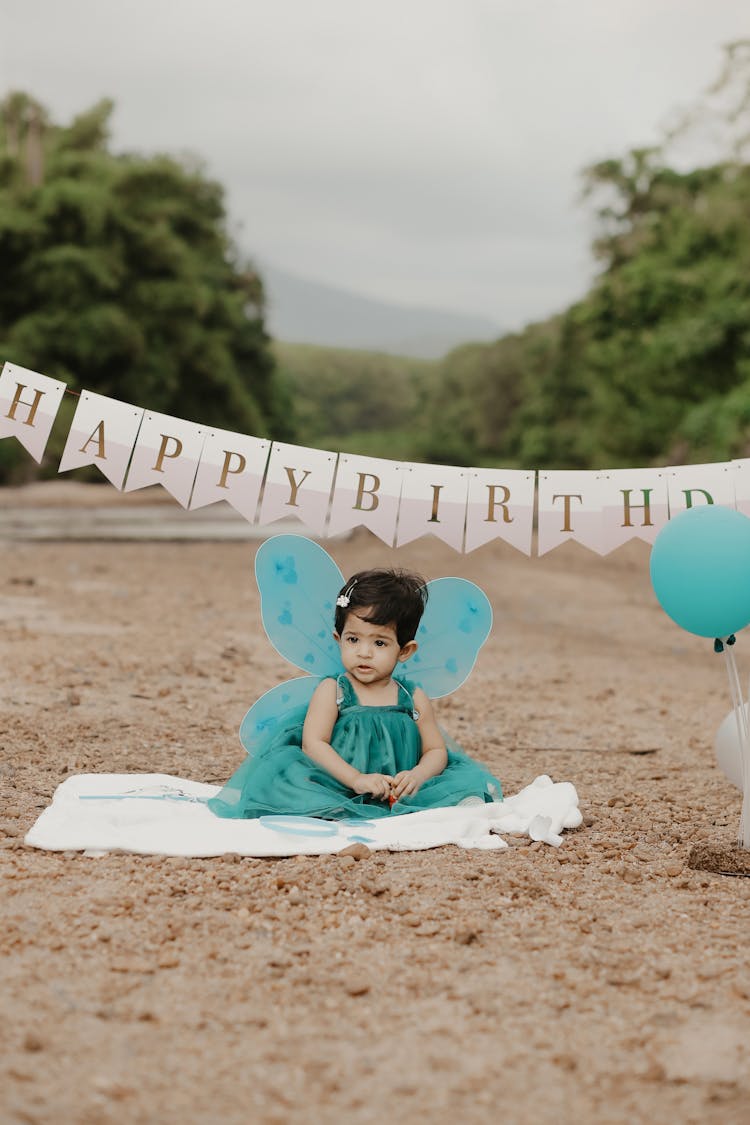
(604, 981)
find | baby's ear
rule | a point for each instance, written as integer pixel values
(408, 650)
(336, 636)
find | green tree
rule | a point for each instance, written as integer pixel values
(118, 275)
(653, 365)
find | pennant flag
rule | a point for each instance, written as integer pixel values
(102, 433)
(500, 506)
(367, 494)
(231, 468)
(635, 505)
(570, 508)
(433, 502)
(298, 483)
(741, 476)
(691, 485)
(167, 452)
(29, 403)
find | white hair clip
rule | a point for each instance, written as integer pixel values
(342, 601)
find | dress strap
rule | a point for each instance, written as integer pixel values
(340, 689)
(414, 713)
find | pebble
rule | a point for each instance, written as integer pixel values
(358, 851)
(673, 869)
(356, 987)
(32, 1042)
(629, 874)
(133, 966)
(347, 860)
(375, 889)
(466, 937)
(168, 961)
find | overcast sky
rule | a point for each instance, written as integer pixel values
(424, 151)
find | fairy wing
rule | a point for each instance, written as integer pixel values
(298, 583)
(284, 703)
(456, 623)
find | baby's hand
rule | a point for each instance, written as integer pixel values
(405, 784)
(378, 784)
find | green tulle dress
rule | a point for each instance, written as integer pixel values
(280, 779)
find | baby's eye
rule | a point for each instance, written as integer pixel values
(352, 640)
(380, 644)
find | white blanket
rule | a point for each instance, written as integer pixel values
(154, 814)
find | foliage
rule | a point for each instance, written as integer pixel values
(119, 276)
(653, 365)
(354, 401)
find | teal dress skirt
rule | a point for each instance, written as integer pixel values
(280, 779)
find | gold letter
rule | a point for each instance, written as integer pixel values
(646, 505)
(228, 455)
(370, 492)
(294, 486)
(99, 441)
(493, 503)
(567, 497)
(436, 490)
(163, 451)
(688, 494)
(17, 399)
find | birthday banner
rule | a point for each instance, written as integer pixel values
(331, 493)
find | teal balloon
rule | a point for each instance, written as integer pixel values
(700, 570)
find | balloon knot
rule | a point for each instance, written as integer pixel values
(718, 645)
(731, 640)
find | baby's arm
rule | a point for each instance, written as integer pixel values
(316, 743)
(434, 755)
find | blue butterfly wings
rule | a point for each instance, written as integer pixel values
(457, 621)
(298, 583)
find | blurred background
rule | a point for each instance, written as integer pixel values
(479, 232)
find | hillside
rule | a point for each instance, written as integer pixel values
(309, 312)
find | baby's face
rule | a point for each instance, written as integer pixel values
(369, 652)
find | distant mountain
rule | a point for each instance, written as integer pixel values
(309, 312)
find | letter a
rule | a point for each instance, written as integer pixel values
(98, 436)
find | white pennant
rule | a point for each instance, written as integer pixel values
(635, 505)
(102, 433)
(691, 485)
(433, 502)
(29, 403)
(167, 452)
(500, 506)
(298, 483)
(570, 508)
(367, 493)
(231, 468)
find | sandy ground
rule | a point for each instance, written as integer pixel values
(601, 982)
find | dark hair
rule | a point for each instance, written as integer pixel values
(393, 597)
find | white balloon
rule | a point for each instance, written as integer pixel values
(727, 747)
